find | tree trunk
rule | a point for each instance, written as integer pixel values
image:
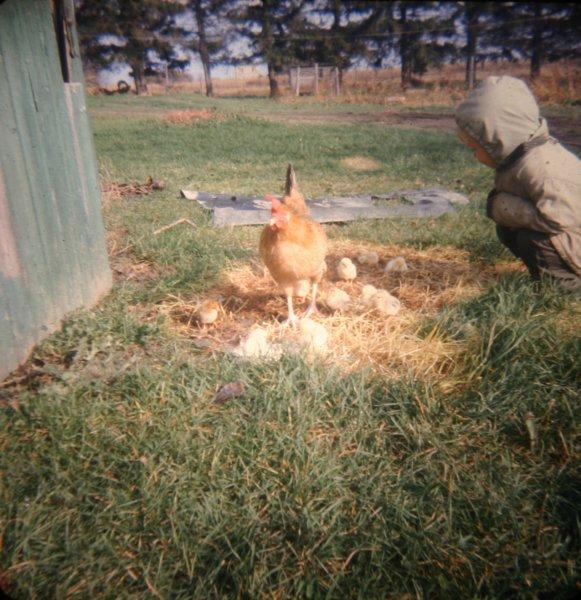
(273, 82)
(203, 47)
(138, 78)
(268, 46)
(336, 31)
(471, 43)
(405, 49)
(537, 41)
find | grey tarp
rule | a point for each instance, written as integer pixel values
(229, 210)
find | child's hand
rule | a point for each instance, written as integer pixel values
(515, 212)
(489, 202)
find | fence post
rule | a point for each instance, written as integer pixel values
(337, 87)
(298, 81)
(316, 79)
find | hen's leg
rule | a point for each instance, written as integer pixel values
(313, 305)
(292, 318)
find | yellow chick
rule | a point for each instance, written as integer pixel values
(367, 293)
(337, 299)
(346, 269)
(255, 344)
(208, 312)
(385, 303)
(302, 288)
(313, 335)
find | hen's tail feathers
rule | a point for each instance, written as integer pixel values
(291, 180)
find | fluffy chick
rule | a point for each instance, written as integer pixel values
(313, 336)
(346, 269)
(367, 293)
(337, 299)
(368, 258)
(208, 312)
(385, 303)
(255, 344)
(396, 265)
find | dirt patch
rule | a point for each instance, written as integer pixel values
(360, 163)
(186, 117)
(127, 268)
(565, 129)
(359, 336)
(172, 116)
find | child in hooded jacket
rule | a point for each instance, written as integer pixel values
(536, 200)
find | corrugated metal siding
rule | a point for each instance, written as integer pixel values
(52, 246)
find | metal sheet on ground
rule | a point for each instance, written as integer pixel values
(230, 210)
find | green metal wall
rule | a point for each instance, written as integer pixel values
(52, 245)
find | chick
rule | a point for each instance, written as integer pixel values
(385, 303)
(368, 258)
(337, 299)
(367, 293)
(396, 265)
(302, 288)
(346, 269)
(254, 345)
(208, 312)
(313, 336)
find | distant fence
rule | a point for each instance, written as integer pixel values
(558, 83)
(312, 76)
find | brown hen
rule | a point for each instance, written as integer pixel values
(293, 247)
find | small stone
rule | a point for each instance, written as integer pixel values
(230, 390)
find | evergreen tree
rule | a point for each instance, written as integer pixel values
(209, 35)
(538, 31)
(420, 33)
(477, 19)
(268, 27)
(350, 25)
(128, 31)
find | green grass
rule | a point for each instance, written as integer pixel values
(121, 479)
(102, 105)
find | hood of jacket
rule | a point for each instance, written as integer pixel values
(501, 113)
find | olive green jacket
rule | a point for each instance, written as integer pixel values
(538, 182)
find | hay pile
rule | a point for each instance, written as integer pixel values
(113, 190)
(359, 336)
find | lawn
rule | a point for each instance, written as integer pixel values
(121, 478)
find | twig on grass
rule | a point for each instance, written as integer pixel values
(178, 222)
